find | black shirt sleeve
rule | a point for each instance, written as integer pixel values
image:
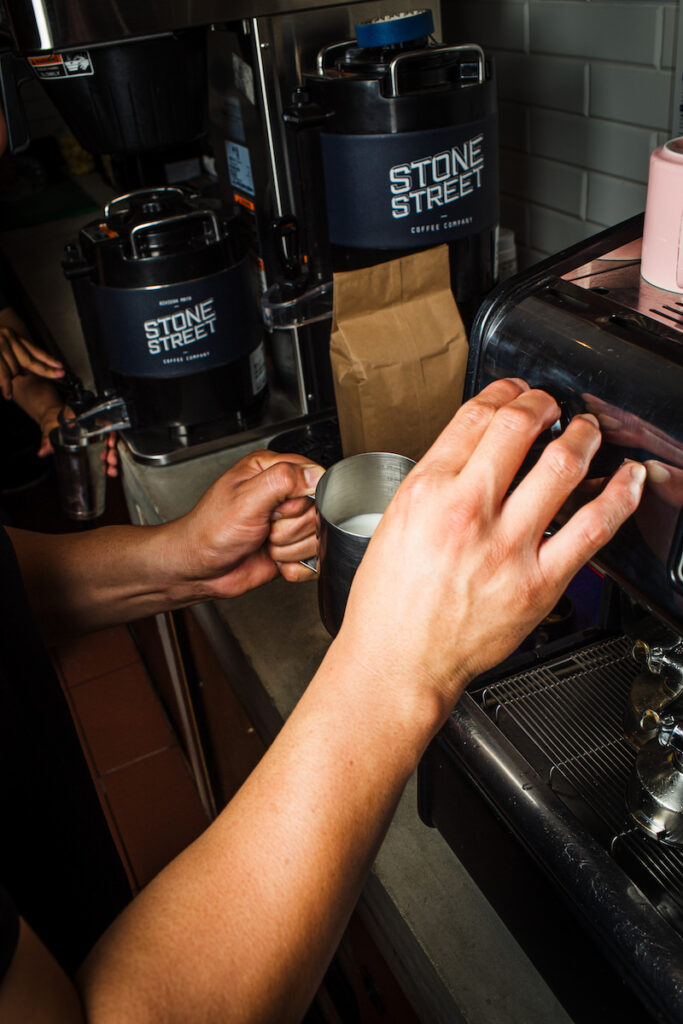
(9, 930)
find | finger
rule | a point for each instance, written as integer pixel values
(306, 548)
(39, 368)
(264, 459)
(288, 531)
(592, 526)
(41, 356)
(8, 357)
(292, 508)
(457, 441)
(505, 444)
(560, 469)
(293, 572)
(268, 489)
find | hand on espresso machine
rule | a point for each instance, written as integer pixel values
(255, 522)
(460, 570)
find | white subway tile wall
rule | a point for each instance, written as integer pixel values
(585, 94)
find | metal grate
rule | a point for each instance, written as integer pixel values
(565, 717)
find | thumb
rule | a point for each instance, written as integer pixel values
(283, 480)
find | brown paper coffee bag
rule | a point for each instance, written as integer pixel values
(399, 353)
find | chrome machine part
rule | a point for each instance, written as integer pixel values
(653, 689)
(655, 791)
(38, 26)
(631, 930)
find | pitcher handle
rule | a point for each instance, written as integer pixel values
(310, 563)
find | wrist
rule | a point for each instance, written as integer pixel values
(387, 690)
(186, 574)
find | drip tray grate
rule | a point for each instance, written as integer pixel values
(565, 718)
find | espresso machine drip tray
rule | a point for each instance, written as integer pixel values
(543, 747)
(565, 718)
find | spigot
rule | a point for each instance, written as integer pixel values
(668, 731)
(662, 659)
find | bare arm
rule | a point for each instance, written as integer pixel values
(242, 925)
(252, 524)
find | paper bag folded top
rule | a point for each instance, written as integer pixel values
(399, 352)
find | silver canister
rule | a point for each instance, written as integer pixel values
(350, 499)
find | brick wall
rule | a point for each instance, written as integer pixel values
(585, 94)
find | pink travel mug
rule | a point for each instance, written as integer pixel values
(662, 259)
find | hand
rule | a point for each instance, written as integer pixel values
(18, 355)
(256, 521)
(459, 571)
(49, 419)
(110, 458)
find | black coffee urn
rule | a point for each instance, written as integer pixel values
(166, 300)
(398, 150)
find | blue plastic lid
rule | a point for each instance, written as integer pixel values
(394, 28)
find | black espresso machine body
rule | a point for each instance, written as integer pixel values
(536, 779)
(169, 315)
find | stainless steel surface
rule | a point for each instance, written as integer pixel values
(662, 659)
(654, 689)
(139, 229)
(262, 62)
(327, 50)
(655, 787)
(176, 190)
(355, 486)
(627, 287)
(565, 719)
(289, 44)
(402, 58)
(159, 449)
(568, 712)
(59, 24)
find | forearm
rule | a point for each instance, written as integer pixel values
(85, 581)
(243, 924)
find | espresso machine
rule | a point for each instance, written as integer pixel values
(558, 778)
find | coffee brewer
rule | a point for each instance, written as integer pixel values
(285, 131)
(168, 307)
(558, 778)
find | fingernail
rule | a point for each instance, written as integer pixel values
(638, 475)
(589, 417)
(657, 473)
(276, 515)
(518, 380)
(312, 474)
